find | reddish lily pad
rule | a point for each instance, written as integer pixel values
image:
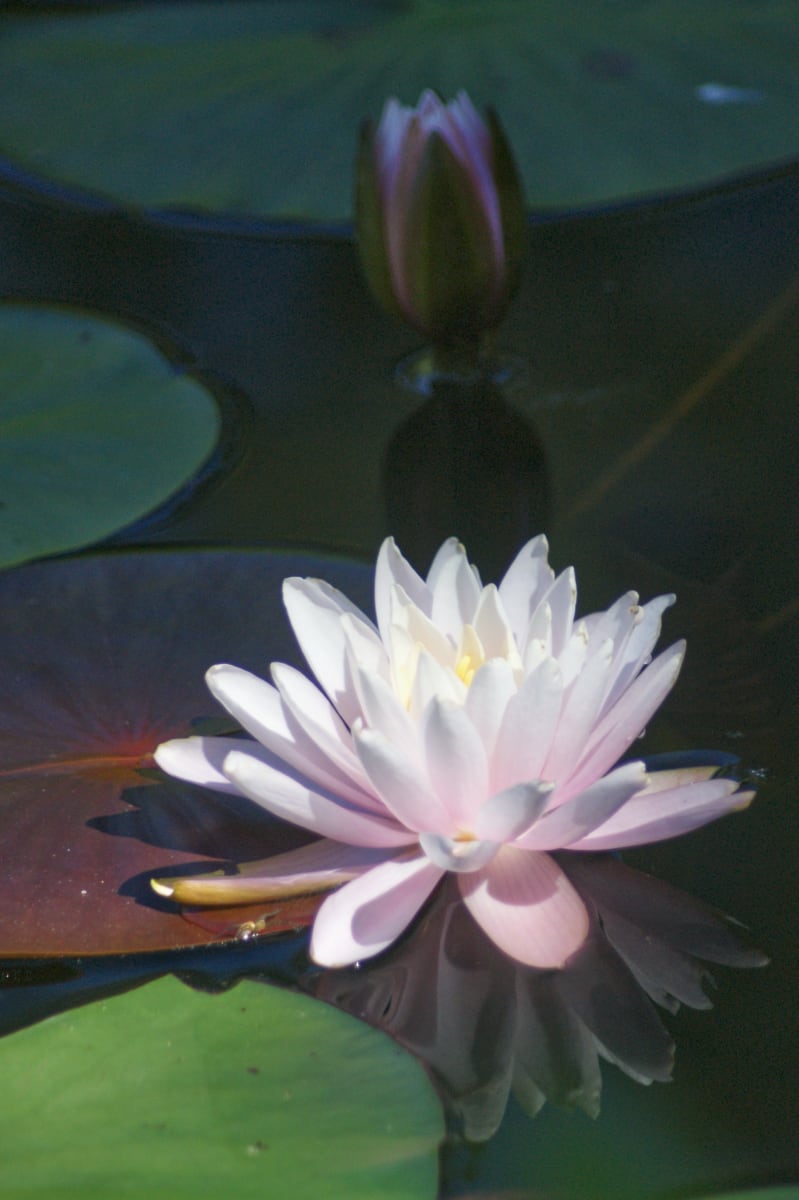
(104, 657)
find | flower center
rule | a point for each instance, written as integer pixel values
(465, 668)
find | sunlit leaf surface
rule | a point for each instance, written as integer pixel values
(253, 107)
(103, 658)
(96, 429)
(258, 1092)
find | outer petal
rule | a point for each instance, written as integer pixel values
(527, 907)
(199, 759)
(315, 610)
(316, 867)
(367, 915)
(318, 718)
(666, 814)
(391, 570)
(625, 721)
(257, 705)
(573, 820)
(287, 798)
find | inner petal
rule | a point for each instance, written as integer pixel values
(462, 853)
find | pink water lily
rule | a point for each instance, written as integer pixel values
(470, 730)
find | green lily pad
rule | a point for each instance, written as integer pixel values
(97, 428)
(257, 1092)
(767, 1193)
(254, 107)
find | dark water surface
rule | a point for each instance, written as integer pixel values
(653, 433)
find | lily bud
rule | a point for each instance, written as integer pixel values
(440, 216)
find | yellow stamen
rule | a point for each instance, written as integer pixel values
(465, 670)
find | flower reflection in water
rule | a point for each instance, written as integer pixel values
(486, 1025)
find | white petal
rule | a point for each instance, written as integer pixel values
(578, 816)
(507, 815)
(625, 721)
(315, 610)
(370, 913)
(578, 714)
(449, 549)
(258, 707)
(529, 724)
(365, 648)
(636, 652)
(401, 784)
(562, 600)
(656, 816)
(525, 583)
(290, 800)
(433, 681)
(317, 867)
(493, 628)
(527, 906)
(393, 569)
(320, 721)
(383, 711)
(456, 762)
(420, 628)
(199, 759)
(455, 854)
(456, 592)
(487, 698)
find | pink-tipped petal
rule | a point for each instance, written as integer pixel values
(666, 814)
(291, 801)
(527, 906)
(578, 816)
(370, 913)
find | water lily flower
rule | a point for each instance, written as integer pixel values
(472, 729)
(440, 216)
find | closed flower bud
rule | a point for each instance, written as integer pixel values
(440, 216)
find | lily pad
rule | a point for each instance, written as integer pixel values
(97, 428)
(252, 108)
(104, 657)
(257, 1092)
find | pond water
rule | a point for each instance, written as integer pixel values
(652, 431)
